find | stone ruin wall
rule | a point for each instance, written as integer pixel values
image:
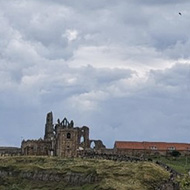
(65, 140)
(10, 151)
(36, 147)
(61, 139)
(70, 140)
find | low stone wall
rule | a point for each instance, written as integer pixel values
(10, 151)
(115, 157)
(169, 186)
(173, 173)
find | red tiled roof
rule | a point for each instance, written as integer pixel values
(151, 145)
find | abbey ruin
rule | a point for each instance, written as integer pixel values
(65, 140)
(61, 139)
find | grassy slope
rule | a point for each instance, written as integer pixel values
(114, 175)
(180, 164)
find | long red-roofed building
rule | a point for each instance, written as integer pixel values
(141, 148)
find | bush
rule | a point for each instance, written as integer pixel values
(185, 183)
(175, 153)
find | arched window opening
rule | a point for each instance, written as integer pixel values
(82, 139)
(68, 135)
(92, 145)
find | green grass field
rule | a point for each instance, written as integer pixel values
(181, 164)
(113, 175)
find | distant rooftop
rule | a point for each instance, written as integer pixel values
(133, 145)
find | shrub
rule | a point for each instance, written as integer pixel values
(175, 153)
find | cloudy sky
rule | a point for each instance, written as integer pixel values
(120, 67)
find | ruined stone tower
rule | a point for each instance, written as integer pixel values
(60, 139)
(49, 134)
(70, 139)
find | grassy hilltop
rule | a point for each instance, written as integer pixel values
(181, 164)
(111, 175)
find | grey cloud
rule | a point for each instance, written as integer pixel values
(129, 22)
(115, 75)
(143, 114)
(153, 3)
(152, 113)
(177, 76)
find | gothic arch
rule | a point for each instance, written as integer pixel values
(92, 144)
(82, 139)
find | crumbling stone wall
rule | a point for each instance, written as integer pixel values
(145, 153)
(36, 147)
(70, 139)
(10, 151)
(97, 145)
(49, 131)
(60, 139)
(66, 145)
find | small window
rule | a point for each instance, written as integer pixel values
(153, 148)
(68, 135)
(171, 148)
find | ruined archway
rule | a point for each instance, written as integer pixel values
(82, 139)
(92, 145)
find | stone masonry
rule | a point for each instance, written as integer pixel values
(61, 139)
